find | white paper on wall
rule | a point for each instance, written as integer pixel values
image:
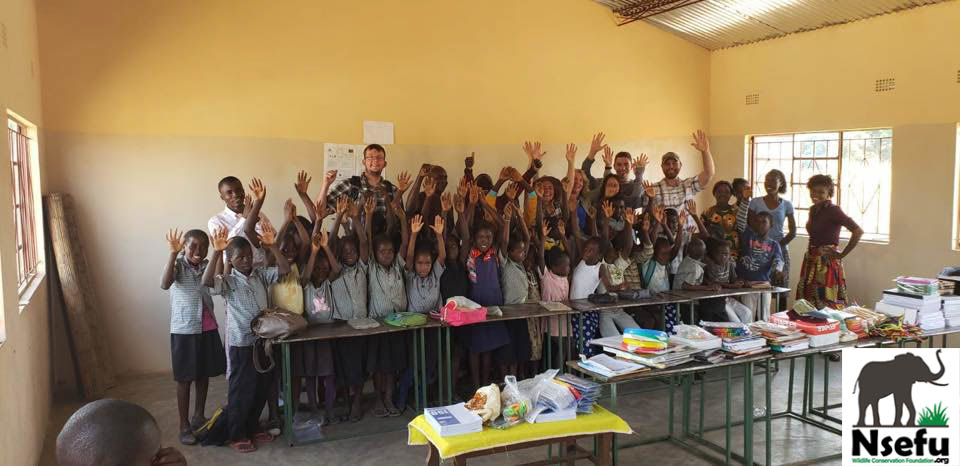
(346, 159)
(378, 132)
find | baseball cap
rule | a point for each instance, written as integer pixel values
(670, 155)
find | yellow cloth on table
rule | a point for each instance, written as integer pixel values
(287, 294)
(419, 432)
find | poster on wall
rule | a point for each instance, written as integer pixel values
(346, 159)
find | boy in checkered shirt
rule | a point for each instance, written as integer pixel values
(195, 347)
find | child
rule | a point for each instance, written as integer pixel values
(654, 273)
(587, 276)
(245, 292)
(514, 282)
(483, 271)
(743, 192)
(113, 432)
(386, 353)
(195, 346)
(720, 270)
(422, 271)
(612, 322)
(314, 359)
(350, 303)
(760, 261)
(690, 273)
(554, 269)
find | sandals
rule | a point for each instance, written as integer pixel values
(263, 437)
(187, 438)
(243, 446)
(198, 422)
(381, 412)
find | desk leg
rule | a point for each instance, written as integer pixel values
(605, 456)
(806, 380)
(790, 388)
(440, 385)
(748, 414)
(663, 320)
(433, 456)
(670, 407)
(580, 342)
(703, 392)
(729, 421)
(767, 433)
(423, 366)
(287, 396)
(686, 405)
(548, 343)
(613, 409)
(450, 374)
(826, 380)
(416, 371)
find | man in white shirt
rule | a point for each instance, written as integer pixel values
(233, 215)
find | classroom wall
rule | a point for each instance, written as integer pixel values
(25, 392)
(824, 80)
(149, 103)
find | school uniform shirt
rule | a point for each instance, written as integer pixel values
(714, 272)
(759, 257)
(615, 271)
(234, 224)
(586, 278)
(659, 278)
(513, 280)
(631, 275)
(388, 292)
(423, 293)
(191, 307)
(245, 297)
(689, 272)
(287, 294)
(318, 303)
(553, 287)
(743, 208)
(350, 292)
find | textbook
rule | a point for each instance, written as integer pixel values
(554, 306)
(452, 420)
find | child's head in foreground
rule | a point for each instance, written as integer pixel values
(111, 433)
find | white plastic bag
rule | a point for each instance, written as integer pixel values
(464, 303)
(486, 402)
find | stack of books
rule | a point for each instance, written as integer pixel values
(744, 346)
(452, 420)
(673, 355)
(951, 310)
(921, 310)
(726, 329)
(585, 391)
(780, 338)
(639, 340)
(609, 367)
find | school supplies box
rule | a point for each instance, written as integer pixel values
(452, 420)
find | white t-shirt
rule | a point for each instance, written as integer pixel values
(234, 224)
(586, 278)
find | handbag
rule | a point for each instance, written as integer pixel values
(269, 325)
(456, 316)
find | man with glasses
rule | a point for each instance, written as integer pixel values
(370, 182)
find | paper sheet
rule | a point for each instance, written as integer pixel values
(346, 159)
(378, 132)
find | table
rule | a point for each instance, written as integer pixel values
(694, 296)
(601, 425)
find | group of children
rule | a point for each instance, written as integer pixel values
(522, 239)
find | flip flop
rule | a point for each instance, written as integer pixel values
(198, 422)
(243, 446)
(380, 412)
(393, 412)
(187, 438)
(263, 437)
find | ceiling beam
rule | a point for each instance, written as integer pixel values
(647, 8)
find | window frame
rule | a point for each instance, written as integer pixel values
(838, 182)
(27, 214)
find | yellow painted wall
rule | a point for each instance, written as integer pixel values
(25, 392)
(149, 103)
(824, 80)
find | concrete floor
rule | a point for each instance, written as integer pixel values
(792, 441)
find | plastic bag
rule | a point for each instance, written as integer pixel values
(513, 405)
(486, 402)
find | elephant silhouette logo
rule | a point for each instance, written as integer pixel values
(880, 379)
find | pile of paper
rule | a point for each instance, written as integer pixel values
(641, 340)
(951, 310)
(585, 391)
(673, 355)
(921, 310)
(780, 338)
(452, 420)
(607, 366)
(745, 346)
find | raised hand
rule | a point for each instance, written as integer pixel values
(562, 228)
(538, 188)
(511, 191)
(446, 201)
(369, 204)
(353, 208)
(437, 226)
(607, 156)
(343, 204)
(429, 186)
(317, 242)
(505, 173)
(630, 216)
(596, 145)
(258, 189)
(322, 210)
(468, 162)
(289, 210)
(424, 170)
(533, 150)
(700, 141)
(515, 175)
(646, 222)
(571, 152)
(639, 162)
(330, 177)
(607, 209)
(545, 230)
(416, 224)
(474, 194)
(458, 203)
(303, 182)
(268, 236)
(682, 218)
(691, 206)
(247, 206)
(175, 240)
(592, 212)
(649, 189)
(403, 181)
(660, 214)
(463, 188)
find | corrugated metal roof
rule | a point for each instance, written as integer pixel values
(717, 24)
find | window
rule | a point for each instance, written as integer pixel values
(858, 161)
(21, 137)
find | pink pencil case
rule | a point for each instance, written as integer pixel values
(457, 316)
